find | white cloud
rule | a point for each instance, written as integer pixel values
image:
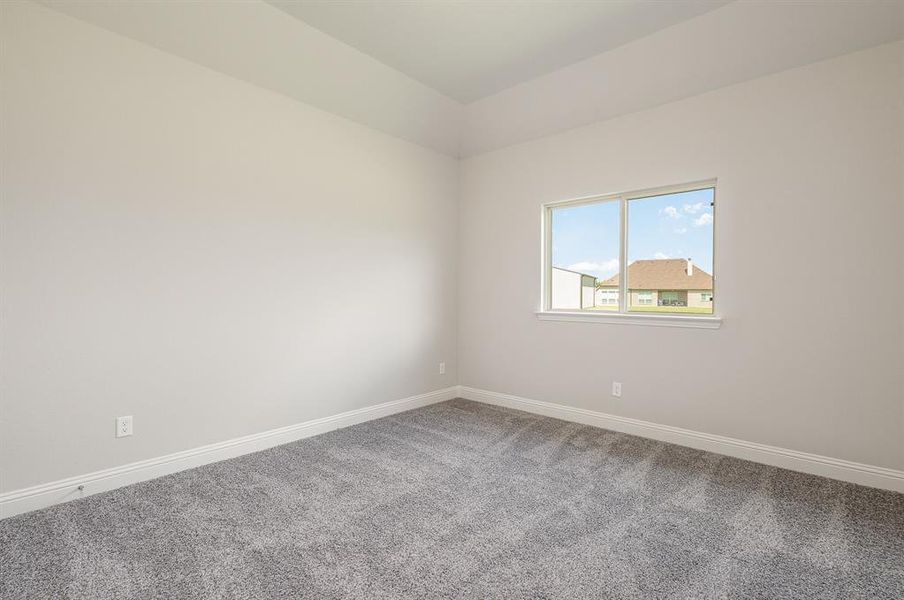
(704, 219)
(660, 255)
(671, 211)
(681, 230)
(693, 208)
(608, 266)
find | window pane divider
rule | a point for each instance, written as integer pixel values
(623, 257)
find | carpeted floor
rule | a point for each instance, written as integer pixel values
(464, 500)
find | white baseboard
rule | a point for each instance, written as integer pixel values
(48, 494)
(868, 475)
(41, 496)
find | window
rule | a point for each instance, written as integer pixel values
(671, 299)
(649, 251)
(586, 240)
(607, 297)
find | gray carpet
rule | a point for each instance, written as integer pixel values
(463, 500)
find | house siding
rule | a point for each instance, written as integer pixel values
(694, 301)
(588, 291)
(571, 290)
(693, 297)
(566, 289)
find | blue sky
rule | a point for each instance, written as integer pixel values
(585, 238)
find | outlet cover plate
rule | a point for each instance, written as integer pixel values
(123, 426)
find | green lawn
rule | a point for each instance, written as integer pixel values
(672, 309)
(659, 309)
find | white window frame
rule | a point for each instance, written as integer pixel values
(547, 313)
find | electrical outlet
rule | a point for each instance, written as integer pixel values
(442, 368)
(123, 426)
(616, 389)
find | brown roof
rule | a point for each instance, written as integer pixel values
(665, 274)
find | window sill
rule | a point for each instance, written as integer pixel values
(692, 321)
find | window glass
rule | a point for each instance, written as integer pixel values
(585, 251)
(664, 264)
(670, 252)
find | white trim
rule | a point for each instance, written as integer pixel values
(623, 298)
(662, 190)
(48, 494)
(667, 190)
(658, 320)
(804, 462)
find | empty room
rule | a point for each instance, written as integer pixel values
(451, 299)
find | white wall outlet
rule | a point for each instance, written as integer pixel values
(123, 426)
(616, 389)
(442, 368)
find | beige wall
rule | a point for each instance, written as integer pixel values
(176, 245)
(811, 185)
(694, 300)
(634, 298)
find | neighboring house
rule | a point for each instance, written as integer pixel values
(665, 282)
(660, 282)
(571, 289)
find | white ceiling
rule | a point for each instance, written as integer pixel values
(262, 45)
(738, 42)
(513, 50)
(471, 49)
